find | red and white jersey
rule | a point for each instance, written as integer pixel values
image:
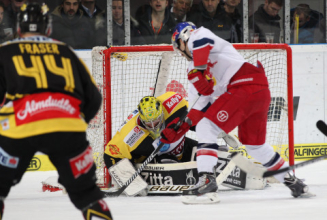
(221, 58)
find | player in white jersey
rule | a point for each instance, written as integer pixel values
(217, 69)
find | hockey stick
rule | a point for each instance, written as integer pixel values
(322, 127)
(150, 158)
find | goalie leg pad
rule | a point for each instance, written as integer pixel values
(123, 171)
(233, 177)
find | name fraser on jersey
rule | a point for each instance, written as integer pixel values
(39, 48)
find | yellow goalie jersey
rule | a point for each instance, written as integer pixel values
(134, 142)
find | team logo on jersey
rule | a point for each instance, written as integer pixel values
(7, 160)
(172, 102)
(222, 116)
(133, 136)
(5, 124)
(113, 149)
(82, 163)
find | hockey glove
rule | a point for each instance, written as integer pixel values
(170, 135)
(203, 85)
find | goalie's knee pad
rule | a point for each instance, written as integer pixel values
(97, 210)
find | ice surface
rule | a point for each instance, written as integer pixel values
(27, 201)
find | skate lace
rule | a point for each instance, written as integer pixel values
(202, 181)
(293, 179)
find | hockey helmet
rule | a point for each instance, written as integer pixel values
(182, 31)
(152, 115)
(34, 18)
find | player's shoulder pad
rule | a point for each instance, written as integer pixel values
(172, 102)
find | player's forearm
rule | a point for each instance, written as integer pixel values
(92, 105)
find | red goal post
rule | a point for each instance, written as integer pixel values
(125, 74)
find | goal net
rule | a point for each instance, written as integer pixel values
(126, 74)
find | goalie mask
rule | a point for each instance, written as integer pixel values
(152, 115)
(34, 18)
(182, 31)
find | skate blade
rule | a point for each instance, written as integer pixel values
(307, 195)
(208, 198)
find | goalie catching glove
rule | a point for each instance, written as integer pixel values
(170, 135)
(201, 81)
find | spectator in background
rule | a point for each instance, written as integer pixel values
(211, 14)
(266, 20)
(10, 17)
(71, 27)
(97, 18)
(90, 9)
(157, 24)
(5, 2)
(118, 28)
(3, 34)
(234, 19)
(180, 9)
(311, 25)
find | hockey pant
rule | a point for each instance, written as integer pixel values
(68, 151)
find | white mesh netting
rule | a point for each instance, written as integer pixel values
(137, 74)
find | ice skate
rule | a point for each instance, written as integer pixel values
(204, 192)
(97, 210)
(298, 188)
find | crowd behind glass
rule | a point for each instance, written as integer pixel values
(84, 24)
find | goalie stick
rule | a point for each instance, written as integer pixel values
(152, 155)
(248, 167)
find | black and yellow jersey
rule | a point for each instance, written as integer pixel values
(134, 142)
(44, 87)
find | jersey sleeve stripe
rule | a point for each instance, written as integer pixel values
(197, 44)
(201, 51)
(200, 56)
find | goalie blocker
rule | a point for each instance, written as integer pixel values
(173, 178)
